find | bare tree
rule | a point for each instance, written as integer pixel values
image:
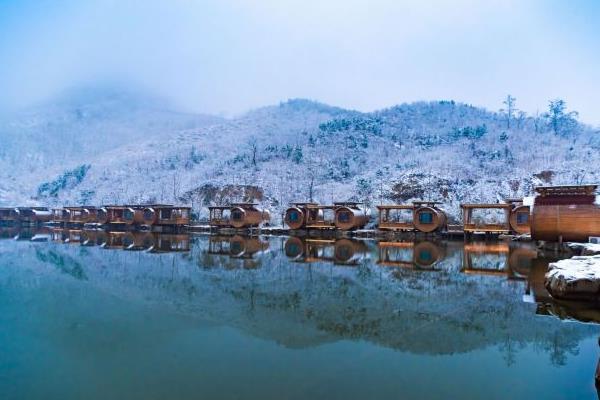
(511, 107)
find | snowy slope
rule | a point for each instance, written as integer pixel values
(443, 151)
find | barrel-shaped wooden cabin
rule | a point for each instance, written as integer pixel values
(165, 214)
(519, 216)
(428, 216)
(350, 216)
(483, 223)
(238, 215)
(565, 213)
(310, 216)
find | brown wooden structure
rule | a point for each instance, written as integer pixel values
(498, 252)
(391, 218)
(33, 215)
(565, 213)
(299, 215)
(238, 215)
(472, 225)
(422, 216)
(166, 214)
(81, 215)
(419, 255)
(339, 252)
(350, 216)
(122, 215)
(519, 218)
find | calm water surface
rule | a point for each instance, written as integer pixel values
(116, 315)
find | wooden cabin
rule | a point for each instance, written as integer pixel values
(310, 216)
(479, 224)
(60, 216)
(238, 215)
(565, 213)
(81, 215)
(519, 216)
(396, 217)
(33, 215)
(428, 216)
(422, 216)
(165, 214)
(350, 216)
(121, 215)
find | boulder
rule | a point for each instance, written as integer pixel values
(576, 278)
(585, 249)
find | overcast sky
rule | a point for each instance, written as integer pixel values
(226, 56)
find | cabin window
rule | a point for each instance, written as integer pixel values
(344, 216)
(165, 213)
(128, 214)
(148, 214)
(294, 216)
(425, 255)
(237, 215)
(522, 218)
(426, 218)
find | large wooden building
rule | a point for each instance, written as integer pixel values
(565, 213)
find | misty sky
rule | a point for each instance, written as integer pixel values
(229, 56)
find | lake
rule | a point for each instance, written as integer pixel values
(99, 315)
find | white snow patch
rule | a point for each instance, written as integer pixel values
(574, 278)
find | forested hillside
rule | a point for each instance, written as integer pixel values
(126, 149)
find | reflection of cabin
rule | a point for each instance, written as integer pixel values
(421, 255)
(473, 223)
(569, 213)
(8, 215)
(163, 214)
(60, 215)
(237, 246)
(167, 243)
(350, 215)
(484, 258)
(339, 252)
(238, 215)
(519, 216)
(424, 216)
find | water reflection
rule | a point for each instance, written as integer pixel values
(421, 298)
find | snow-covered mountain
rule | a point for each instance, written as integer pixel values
(109, 147)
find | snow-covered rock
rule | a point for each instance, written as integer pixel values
(574, 278)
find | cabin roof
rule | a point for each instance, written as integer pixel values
(486, 205)
(566, 190)
(347, 203)
(304, 204)
(396, 207)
